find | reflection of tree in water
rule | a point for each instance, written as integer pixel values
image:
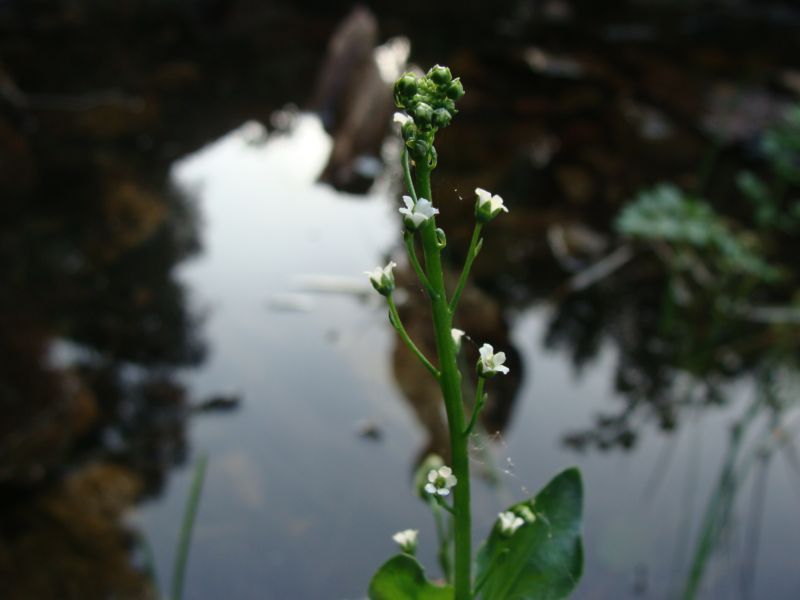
(92, 322)
(680, 349)
(85, 435)
(97, 272)
(675, 348)
(90, 235)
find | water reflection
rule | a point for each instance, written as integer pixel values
(93, 324)
(681, 351)
(763, 429)
(102, 355)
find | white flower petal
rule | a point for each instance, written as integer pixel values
(499, 358)
(486, 351)
(445, 472)
(430, 488)
(509, 522)
(375, 275)
(496, 203)
(401, 118)
(443, 491)
(483, 196)
(417, 219)
(502, 369)
(387, 270)
(408, 202)
(406, 539)
(425, 208)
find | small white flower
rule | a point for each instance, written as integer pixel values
(402, 118)
(414, 215)
(440, 481)
(407, 540)
(457, 334)
(490, 363)
(509, 522)
(488, 206)
(382, 278)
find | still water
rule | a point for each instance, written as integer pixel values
(300, 503)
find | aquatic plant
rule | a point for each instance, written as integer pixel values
(774, 197)
(534, 549)
(694, 233)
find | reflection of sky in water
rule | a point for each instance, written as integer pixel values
(296, 505)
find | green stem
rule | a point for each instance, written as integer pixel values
(398, 325)
(407, 175)
(412, 256)
(450, 383)
(182, 556)
(480, 400)
(441, 502)
(444, 542)
(474, 248)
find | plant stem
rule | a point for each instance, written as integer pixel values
(450, 383)
(474, 248)
(444, 542)
(479, 402)
(182, 555)
(398, 325)
(412, 256)
(407, 175)
(443, 504)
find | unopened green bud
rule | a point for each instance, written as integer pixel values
(404, 89)
(418, 149)
(455, 90)
(423, 114)
(526, 513)
(440, 75)
(441, 117)
(409, 130)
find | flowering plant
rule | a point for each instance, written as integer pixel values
(534, 550)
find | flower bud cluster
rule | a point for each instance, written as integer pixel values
(430, 102)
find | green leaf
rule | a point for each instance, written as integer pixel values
(403, 578)
(542, 560)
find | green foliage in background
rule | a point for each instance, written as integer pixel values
(775, 205)
(692, 232)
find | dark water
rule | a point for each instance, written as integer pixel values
(178, 283)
